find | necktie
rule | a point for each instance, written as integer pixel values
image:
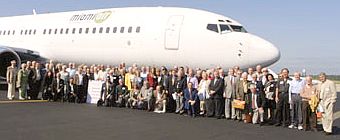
(253, 102)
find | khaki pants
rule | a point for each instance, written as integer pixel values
(327, 116)
(11, 91)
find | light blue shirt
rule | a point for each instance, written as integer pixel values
(295, 86)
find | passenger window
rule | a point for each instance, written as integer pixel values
(101, 30)
(114, 29)
(94, 30)
(44, 31)
(61, 30)
(49, 31)
(35, 31)
(55, 31)
(30, 32)
(8, 32)
(212, 27)
(66, 32)
(87, 30)
(224, 29)
(108, 30)
(80, 30)
(138, 29)
(73, 30)
(0, 32)
(13, 32)
(122, 30)
(130, 30)
(4, 33)
(26, 31)
(21, 32)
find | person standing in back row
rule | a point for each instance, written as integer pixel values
(327, 92)
(282, 99)
(11, 76)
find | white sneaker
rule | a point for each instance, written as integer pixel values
(300, 127)
(291, 126)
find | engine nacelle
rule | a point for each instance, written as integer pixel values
(6, 56)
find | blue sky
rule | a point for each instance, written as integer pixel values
(306, 32)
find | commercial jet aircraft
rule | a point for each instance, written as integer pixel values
(144, 35)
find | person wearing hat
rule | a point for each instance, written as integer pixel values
(11, 76)
(327, 92)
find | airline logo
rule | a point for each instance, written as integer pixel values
(97, 18)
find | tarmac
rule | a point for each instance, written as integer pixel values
(42, 120)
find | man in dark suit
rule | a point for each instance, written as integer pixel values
(191, 99)
(171, 103)
(107, 92)
(121, 92)
(181, 84)
(58, 88)
(216, 96)
(257, 102)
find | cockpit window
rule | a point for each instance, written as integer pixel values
(224, 28)
(238, 28)
(212, 27)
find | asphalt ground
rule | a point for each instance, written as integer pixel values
(38, 120)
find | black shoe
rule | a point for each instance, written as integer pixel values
(278, 124)
(261, 123)
(328, 133)
(314, 130)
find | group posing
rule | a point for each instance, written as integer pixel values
(254, 96)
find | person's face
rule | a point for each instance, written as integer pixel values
(204, 75)
(231, 72)
(297, 76)
(258, 68)
(244, 76)
(254, 78)
(253, 90)
(322, 78)
(191, 72)
(309, 80)
(190, 85)
(250, 70)
(284, 74)
(23, 66)
(216, 74)
(270, 78)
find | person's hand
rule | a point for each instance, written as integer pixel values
(276, 99)
(261, 110)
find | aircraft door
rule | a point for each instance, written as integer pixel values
(172, 32)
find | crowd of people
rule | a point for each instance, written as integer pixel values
(254, 96)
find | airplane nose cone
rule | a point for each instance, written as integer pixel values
(265, 53)
(273, 54)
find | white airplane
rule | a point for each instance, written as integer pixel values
(144, 35)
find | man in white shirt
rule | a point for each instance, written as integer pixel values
(295, 101)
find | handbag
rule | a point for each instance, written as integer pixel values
(238, 104)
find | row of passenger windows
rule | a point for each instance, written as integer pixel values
(75, 30)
